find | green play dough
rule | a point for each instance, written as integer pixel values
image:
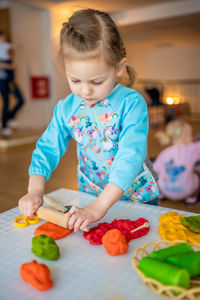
(192, 222)
(164, 272)
(189, 261)
(163, 254)
(45, 247)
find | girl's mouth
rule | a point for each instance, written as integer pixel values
(89, 99)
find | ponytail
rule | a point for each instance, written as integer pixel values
(129, 78)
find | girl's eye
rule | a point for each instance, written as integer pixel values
(75, 81)
(98, 83)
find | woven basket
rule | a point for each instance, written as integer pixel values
(192, 293)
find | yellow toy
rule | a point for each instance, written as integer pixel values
(27, 221)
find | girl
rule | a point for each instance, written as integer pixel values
(175, 165)
(108, 121)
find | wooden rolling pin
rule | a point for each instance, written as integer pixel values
(56, 213)
(52, 215)
(55, 204)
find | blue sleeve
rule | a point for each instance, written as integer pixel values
(132, 143)
(51, 145)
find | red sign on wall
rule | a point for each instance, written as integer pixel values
(40, 87)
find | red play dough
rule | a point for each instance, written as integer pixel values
(96, 233)
(124, 225)
(38, 275)
(115, 242)
(52, 230)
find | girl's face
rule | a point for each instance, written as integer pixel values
(91, 78)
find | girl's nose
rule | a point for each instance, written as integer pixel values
(86, 90)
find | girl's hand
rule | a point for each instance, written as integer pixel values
(29, 204)
(81, 217)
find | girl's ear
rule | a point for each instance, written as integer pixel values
(121, 67)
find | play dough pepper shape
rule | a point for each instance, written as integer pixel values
(38, 275)
(45, 247)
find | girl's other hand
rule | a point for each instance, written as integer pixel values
(29, 204)
(81, 217)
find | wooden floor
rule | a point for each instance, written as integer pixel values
(14, 175)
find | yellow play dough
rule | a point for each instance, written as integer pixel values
(171, 229)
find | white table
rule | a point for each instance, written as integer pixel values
(83, 271)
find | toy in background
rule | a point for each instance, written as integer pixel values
(178, 177)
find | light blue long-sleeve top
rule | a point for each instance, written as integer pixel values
(111, 138)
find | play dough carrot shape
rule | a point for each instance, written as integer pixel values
(52, 230)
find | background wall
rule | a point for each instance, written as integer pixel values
(173, 63)
(165, 63)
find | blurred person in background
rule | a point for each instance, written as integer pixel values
(8, 86)
(178, 177)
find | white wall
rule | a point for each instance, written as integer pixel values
(136, 58)
(164, 63)
(173, 63)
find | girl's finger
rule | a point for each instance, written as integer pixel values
(72, 211)
(72, 221)
(78, 223)
(30, 211)
(84, 225)
(25, 211)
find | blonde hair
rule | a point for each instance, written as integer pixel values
(173, 132)
(88, 30)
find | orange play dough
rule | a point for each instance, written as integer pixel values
(52, 230)
(38, 275)
(115, 242)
